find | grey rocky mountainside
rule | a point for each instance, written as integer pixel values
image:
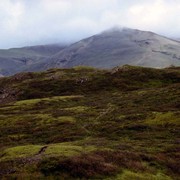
(111, 48)
(118, 47)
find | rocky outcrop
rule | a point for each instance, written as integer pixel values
(8, 95)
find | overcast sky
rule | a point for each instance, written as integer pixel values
(31, 22)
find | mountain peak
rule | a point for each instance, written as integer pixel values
(118, 46)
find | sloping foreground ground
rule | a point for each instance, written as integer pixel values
(85, 123)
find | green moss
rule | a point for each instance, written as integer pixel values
(55, 98)
(164, 119)
(64, 149)
(20, 152)
(77, 109)
(59, 149)
(44, 119)
(127, 175)
(27, 102)
(66, 119)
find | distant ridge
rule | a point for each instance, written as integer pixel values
(16, 59)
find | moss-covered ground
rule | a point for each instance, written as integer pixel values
(84, 123)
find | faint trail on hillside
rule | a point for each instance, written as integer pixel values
(37, 157)
(24, 161)
(105, 112)
(42, 150)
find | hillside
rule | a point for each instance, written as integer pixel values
(117, 47)
(85, 123)
(18, 59)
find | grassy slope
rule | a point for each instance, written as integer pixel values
(87, 123)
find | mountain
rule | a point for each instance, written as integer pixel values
(111, 48)
(16, 59)
(118, 47)
(85, 123)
